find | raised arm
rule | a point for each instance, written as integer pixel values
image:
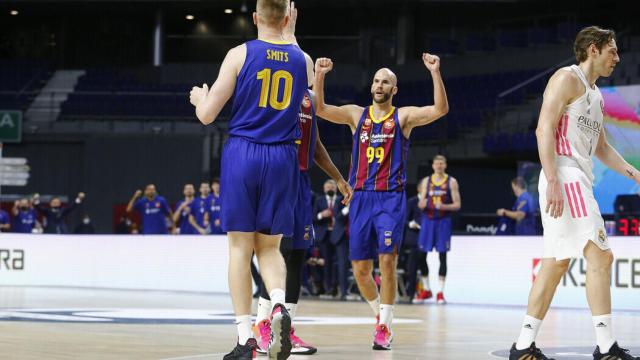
(209, 102)
(412, 116)
(561, 89)
(346, 114)
(613, 160)
(132, 202)
(324, 162)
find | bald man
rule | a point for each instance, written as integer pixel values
(380, 148)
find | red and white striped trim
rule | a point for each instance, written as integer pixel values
(575, 200)
(562, 143)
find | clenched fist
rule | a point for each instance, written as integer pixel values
(323, 65)
(432, 62)
(198, 94)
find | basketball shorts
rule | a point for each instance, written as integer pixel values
(376, 223)
(303, 219)
(258, 187)
(435, 234)
(581, 222)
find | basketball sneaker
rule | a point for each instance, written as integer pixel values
(615, 353)
(299, 347)
(440, 298)
(243, 352)
(280, 344)
(262, 332)
(382, 338)
(530, 353)
(422, 296)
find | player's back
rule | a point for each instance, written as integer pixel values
(268, 93)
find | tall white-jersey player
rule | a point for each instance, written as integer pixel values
(570, 131)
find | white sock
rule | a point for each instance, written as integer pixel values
(264, 309)
(243, 322)
(441, 283)
(386, 314)
(604, 336)
(375, 305)
(425, 283)
(291, 308)
(528, 332)
(277, 297)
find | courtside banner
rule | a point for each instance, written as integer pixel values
(181, 263)
(500, 270)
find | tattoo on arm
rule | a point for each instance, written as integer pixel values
(630, 173)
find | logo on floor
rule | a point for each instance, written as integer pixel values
(163, 316)
(563, 353)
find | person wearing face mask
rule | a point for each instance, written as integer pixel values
(25, 219)
(85, 227)
(330, 225)
(56, 214)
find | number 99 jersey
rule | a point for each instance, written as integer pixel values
(268, 93)
(379, 155)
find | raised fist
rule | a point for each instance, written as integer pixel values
(323, 65)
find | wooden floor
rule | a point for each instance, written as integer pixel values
(50, 323)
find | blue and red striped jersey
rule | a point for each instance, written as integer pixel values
(379, 156)
(307, 142)
(438, 193)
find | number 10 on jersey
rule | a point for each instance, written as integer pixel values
(271, 87)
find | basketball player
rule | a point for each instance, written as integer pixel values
(570, 131)
(259, 182)
(183, 211)
(380, 148)
(440, 196)
(294, 249)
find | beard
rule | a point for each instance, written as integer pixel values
(385, 98)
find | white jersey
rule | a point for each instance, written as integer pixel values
(579, 128)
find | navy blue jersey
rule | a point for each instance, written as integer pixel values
(213, 205)
(183, 222)
(154, 213)
(199, 207)
(268, 93)
(24, 222)
(524, 203)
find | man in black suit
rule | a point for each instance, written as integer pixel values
(415, 259)
(330, 229)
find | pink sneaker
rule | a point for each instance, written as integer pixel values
(299, 347)
(262, 332)
(382, 338)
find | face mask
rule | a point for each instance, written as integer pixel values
(331, 193)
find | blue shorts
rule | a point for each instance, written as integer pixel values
(258, 187)
(376, 223)
(435, 233)
(302, 218)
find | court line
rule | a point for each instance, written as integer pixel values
(193, 356)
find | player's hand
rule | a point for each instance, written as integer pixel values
(432, 62)
(289, 31)
(555, 200)
(326, 213)
(81, 195)
(422, 204)
(323, 65)
(198, 94)
(346, 191)
(500, 212)
(137, 194)
(217, 223)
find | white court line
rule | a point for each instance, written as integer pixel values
(193, 356)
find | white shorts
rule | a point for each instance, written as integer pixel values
(566, 237)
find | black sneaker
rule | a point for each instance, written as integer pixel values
(615, 353)
(280, 344)
(243, 352)
(531, 353)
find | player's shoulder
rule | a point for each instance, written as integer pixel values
(565, 76)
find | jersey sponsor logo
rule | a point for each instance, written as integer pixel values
(367, 122)
(304, 117)
(381, 138)
(389, 124)
(306, 102)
